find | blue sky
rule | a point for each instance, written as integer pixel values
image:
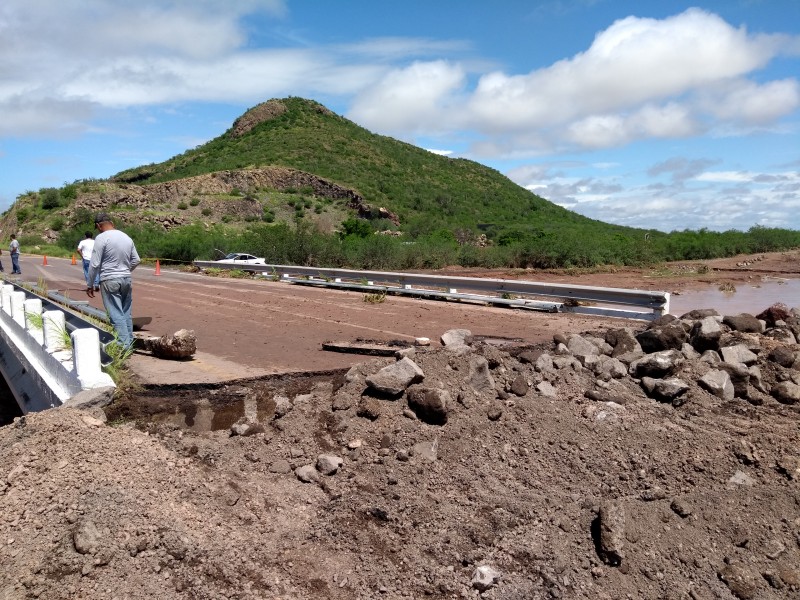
(661, 114)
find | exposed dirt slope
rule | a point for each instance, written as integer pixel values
(507, 474)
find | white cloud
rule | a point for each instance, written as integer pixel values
(640, 79)
(414, 99)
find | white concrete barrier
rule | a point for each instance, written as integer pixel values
(44, 366)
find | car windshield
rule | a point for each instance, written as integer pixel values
(231, 256)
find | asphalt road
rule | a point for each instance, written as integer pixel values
(251, 327)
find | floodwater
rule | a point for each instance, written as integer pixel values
(751, 298)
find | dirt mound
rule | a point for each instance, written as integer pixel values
(661, 463)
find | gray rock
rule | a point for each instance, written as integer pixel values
(369, 408)
(740, 581)
(662, 336)
(93, 398)
(738, 354)
(606, 367)
(520, 387)
(307, 474)
(494, 411)
(546, 389)
(740, 377)
(612, 532)
(456, 337)
(756, 381)
(244, 427)
(328, 464)
(87, 538)
(282, 406)
(782, 335)
(741, 478)
(628, 357)
(777, 312)
(430, 405)
(427, 451)
(782, 356)
(699, 313)
(705, 334)
(485, 578)
(581, 348)
(786, 392)
(743, 322)
(395, 378)
(656, 364)
(178, 346)
(689, 353)
(718, 383)
(711, 357)
(480, 378)
(529, 357)
(623, 341)
(544, 364)
(681, 508)
(664, 390)
(280, 466)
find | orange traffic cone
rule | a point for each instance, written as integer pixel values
(74, 262)
(44, 262)
(158, 268)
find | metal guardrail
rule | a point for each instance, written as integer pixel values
(546, 297)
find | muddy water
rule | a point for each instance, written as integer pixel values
(749, 298)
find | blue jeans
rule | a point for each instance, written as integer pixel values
(15, 264)
(118, 300)
(86, 274)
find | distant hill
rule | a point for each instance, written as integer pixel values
(425, 191)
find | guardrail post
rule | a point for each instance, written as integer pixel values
(86, 358)
(33, 316)
(18, 308)
(5, 297)
(55, 325)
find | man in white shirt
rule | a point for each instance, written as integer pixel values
(85, 248)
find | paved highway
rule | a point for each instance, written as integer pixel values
(249, 327)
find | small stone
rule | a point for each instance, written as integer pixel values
(307, 474)
(328, 464)
(485, 578)
(280, 466)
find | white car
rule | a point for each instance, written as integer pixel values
(238, 258)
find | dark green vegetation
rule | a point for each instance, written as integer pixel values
(451, 211)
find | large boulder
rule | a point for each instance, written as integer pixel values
(181, 345)
(395, 378)
(743, 322)
(777, 312)
(705, 334)
(663, 335)
(656, 364)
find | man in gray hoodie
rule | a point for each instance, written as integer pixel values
(114, 256)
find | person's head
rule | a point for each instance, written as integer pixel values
(87, 235)
(103, 221)
(13, 237)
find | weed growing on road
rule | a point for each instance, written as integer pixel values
(378, 298)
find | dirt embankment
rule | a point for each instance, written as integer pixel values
(643, 464)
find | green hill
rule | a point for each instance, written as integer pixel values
(426, 191)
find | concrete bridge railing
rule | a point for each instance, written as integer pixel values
(43, 363)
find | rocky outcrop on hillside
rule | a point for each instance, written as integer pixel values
(161, 197)
(655, 463)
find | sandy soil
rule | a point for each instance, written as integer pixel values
(197, 491)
